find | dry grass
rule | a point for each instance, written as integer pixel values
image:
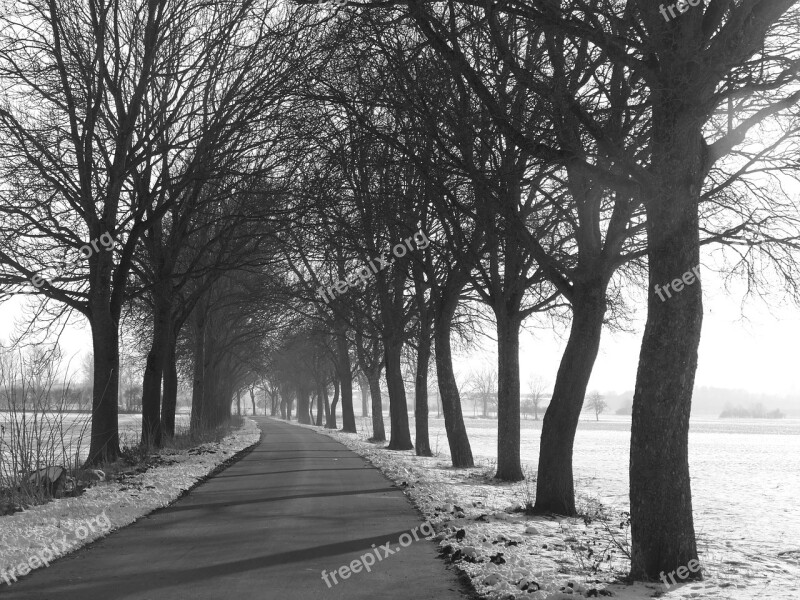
(36, 431)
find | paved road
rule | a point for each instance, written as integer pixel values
(264, 528)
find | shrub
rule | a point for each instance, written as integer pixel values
(36, 430)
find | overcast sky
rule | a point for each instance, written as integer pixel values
(757, 354)
(751, 347)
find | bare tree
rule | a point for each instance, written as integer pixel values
(595, 402)
(95, 169)
(682, 79)
(483, 384)
(536, 387)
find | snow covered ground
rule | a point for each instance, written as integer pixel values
(64, 525)
(745, 489)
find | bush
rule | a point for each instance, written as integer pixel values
(36, 429)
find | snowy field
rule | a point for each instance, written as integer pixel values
(745, 483)
(62, 526)
(76, 428)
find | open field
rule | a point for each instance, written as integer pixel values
(744, 483)
(76, 428)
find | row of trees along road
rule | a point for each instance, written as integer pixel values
(547, 160)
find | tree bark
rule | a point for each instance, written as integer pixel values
(662, 525)
(364, 387)
(154, 367)
(217, 398)
(345, 376)
(104, 445)
(274, 404)
(457, 439)
(423, 443)
(169, 401)
(321, 408)
(200, 418)
(509, 467)
(555, 488)
(398, 407)
(378, 431)
(331, 424)
(302, 406)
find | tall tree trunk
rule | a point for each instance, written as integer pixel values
(321, 402)
(274, 404)
(222, 403)
(398, 407)
(154, 367)
(378, 431)
(169, 401)
(555, 488)
(331, 424)
(509, 467)
(284, 394)
(346, 378)
(423, 444)
(253, 400)
(215, 393)
(457, 439)
(302, 406)
(200, 418)
(104, 445)
(662, 525)
(364, 387)
(239, 403)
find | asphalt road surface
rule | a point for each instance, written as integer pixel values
(264, 528)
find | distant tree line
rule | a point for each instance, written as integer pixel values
(756, 411)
